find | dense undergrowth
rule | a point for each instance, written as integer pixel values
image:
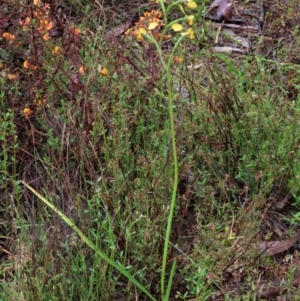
(85, 122)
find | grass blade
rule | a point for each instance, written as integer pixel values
(119, 267)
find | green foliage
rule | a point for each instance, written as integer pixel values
(166, 171)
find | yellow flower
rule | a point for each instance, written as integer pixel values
(127, 32)
(27, 112)
(190, 20)
(8, 36)
(190, 33)
(104, 71)
(177, 59)
(12, 76)
(39, 102)
(37, 14)
(46, 37)
(81, 70)
(76, 31)
(27, 21)
(177, 27)
(57, 50)
(191, 4)
(141, 32)
(152, 25)
(26, 64)
(49, 25)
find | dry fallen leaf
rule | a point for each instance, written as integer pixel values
(226, 49)
(215, 4)
(225, 9)
(271, 248)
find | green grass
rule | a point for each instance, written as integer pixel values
(103, 216)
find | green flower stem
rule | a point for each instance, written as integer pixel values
(173, 4)
(167, 67)
(175, 160)
(176, 21)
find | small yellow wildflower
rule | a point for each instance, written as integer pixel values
(190, 20)
(141, 32)
(81, 70)
(26, 64)
(49, 25)
(39, 102)
(37, 14)
(76, 31)
(177, 59)
(25, 24)
(12, 76)
(57, 50)
(152, 25)
(191, 4)
(27, 112)
(177, 27)
(42, 24)
(104, 71)
(27, 21)
(46, 37)
(190, 33)
(8, 36)
(127, 32)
